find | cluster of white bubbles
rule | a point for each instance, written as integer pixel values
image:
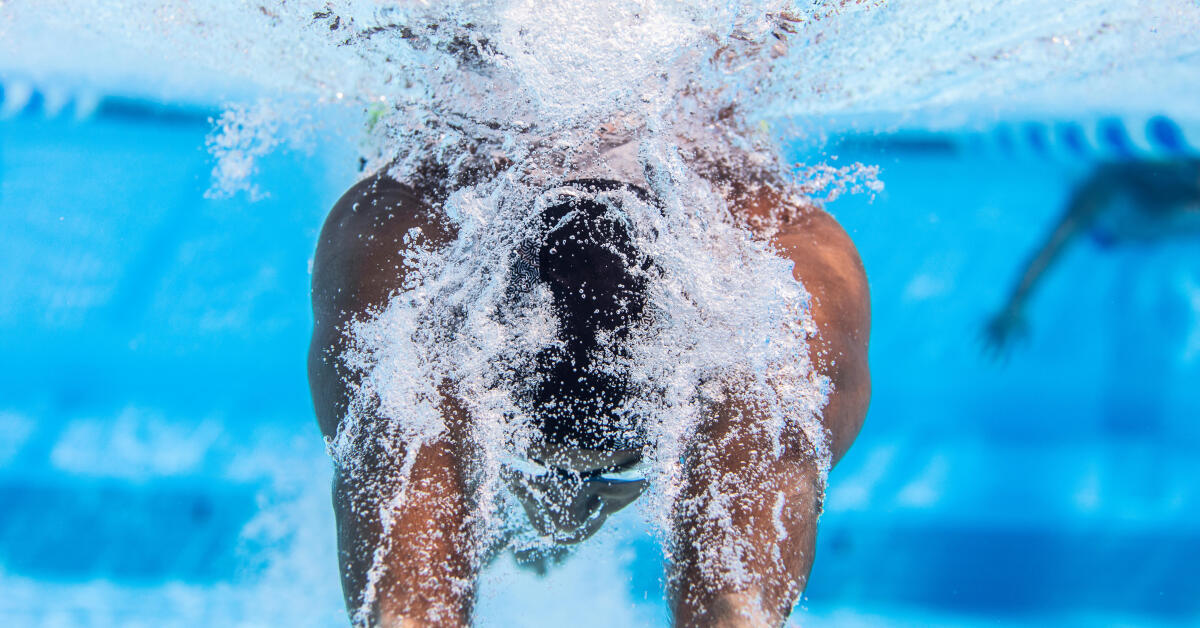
(530, 92)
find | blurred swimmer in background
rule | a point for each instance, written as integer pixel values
(582, 254)
(1119, 203)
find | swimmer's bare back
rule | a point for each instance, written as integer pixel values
(429, 572)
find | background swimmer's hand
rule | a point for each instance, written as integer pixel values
(1002, 331)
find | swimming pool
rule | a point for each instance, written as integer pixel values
(159, 463)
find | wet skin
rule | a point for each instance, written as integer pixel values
(429, 569)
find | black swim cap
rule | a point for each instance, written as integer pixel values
(586, 257)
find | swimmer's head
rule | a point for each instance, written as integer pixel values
(585, 256)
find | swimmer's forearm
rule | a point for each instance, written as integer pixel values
(746, 524)
(404, 542)
(1041, 262)
(1082, 211)
(717, 585)
(731, 610)
(407, 579)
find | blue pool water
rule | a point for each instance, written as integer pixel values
(160, 465)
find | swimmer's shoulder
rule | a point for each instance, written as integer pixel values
(359, 258)
(380, 210)
(828, 264)
(376, 203)
(817, 238)
(824, 256)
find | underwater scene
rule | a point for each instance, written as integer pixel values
(628, 313)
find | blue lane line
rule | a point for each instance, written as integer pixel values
(111, 107)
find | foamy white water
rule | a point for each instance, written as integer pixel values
(858, 57)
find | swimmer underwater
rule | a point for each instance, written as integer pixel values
(355, 271)
(415, 561)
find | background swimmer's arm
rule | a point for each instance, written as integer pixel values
(419, 565)
(747, 522)
(1088, 201)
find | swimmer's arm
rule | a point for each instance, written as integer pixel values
(404, 543)
(1085, 205)
(747, 523)
(1080, 215)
